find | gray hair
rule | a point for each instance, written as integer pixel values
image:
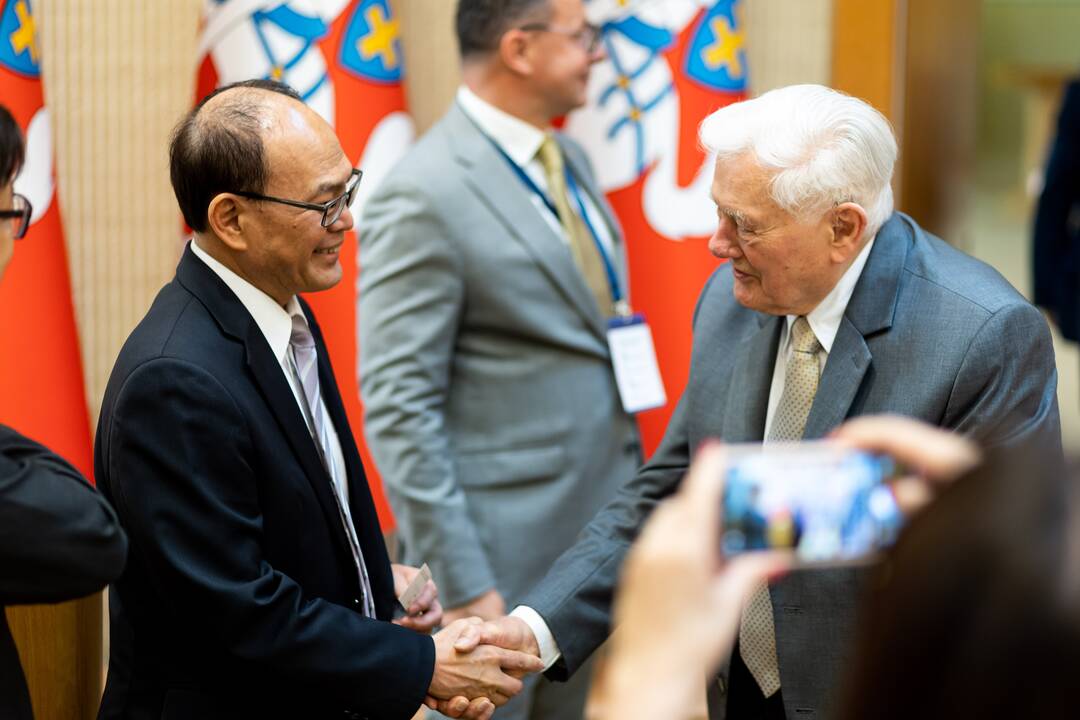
(823, 147)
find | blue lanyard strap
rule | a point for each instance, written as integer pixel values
(571, 183)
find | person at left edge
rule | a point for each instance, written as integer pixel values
(59, 539)
(259, 584)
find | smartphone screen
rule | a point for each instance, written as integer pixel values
(829, 504)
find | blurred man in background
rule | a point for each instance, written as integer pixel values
(490, 263)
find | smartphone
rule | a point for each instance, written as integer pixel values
(830, 504)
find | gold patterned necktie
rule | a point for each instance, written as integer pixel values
(757, 634)
(582, 244)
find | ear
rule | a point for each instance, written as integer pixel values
(848, 225)
(513, 51)
(225, 216)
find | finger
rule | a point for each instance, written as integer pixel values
(936, 453)
(514, 661)
(480, 709)
(424, 600)
(469, 639)
(457, 706)
(704, 484)
(911, 495)
(431, 702)
(745, 572)
(502, 686)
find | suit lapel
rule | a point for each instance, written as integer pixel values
(751, 380)
(840, 381)
(496, 185)
(870, 311)
(234, 320)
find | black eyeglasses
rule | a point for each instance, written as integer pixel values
(331, 209)
(19, 215)
(587, 38)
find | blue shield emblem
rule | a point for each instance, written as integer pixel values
(18, 39)
(371, 48)
(717, 56)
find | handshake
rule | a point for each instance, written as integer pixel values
(479, 665)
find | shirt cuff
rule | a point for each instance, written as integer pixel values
(549, 650)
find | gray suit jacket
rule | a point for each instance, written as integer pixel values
(490, 403)
(929, 332)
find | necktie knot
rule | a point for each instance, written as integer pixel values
(803, 339)
(550, 156)
(301, 334)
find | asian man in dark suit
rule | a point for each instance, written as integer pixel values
(259, 583)
(59, 539)
(830, 306)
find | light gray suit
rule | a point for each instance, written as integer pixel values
(490, 403)
(929, 332)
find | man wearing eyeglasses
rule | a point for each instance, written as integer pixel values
(490, 265)
(59, 539)
(259, 584)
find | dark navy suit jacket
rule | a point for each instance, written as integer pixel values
(1056, 261)
(241, 597)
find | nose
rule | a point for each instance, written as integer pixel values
(723, 244)
(598, 53)
(344, 222)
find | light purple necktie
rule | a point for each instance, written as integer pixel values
(307, 371)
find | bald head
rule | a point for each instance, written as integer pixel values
(220, 145)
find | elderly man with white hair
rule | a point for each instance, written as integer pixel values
(830, 305)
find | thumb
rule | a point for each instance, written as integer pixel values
(469, 639)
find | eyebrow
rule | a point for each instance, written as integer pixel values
(333, 185)
(738, 216)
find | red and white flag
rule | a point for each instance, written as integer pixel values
(42, 391)
(344, 58)
(669, 64)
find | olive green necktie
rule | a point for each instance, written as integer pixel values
(757, 635)
(582, 244)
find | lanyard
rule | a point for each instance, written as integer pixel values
(609, 268)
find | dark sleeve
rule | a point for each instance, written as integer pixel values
(1055, 258)
(180, 477)
(59, 538)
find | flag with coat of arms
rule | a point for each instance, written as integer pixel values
(668, 64)
(42, 390)
(344, 58)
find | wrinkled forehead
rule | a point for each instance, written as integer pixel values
(741, 179)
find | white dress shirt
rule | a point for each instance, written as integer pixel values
(825, 322)
(275, 323)
(521, 142)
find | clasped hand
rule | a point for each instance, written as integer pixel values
(479, 666)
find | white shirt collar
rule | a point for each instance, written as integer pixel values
(825, 318)
(518, 139)
(274, 321)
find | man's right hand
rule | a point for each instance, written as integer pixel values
(509, 633)
(473, 676)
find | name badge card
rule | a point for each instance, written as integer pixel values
(633, 356)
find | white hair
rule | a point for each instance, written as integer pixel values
(822, 146)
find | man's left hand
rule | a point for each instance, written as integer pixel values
(425, 613)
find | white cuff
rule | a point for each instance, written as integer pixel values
(549, 650)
